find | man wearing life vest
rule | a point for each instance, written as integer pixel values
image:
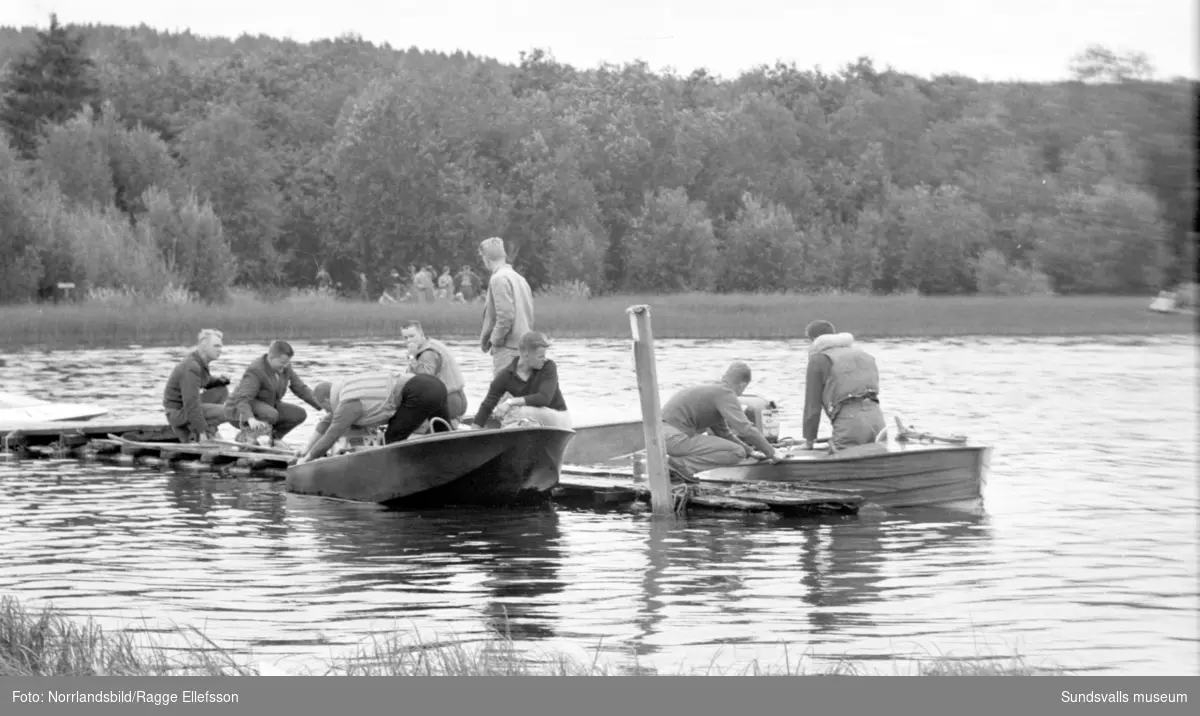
(431, 357)
(843, 382)
(366, 400)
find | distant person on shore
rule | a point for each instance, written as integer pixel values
(843, 381)
(445, 284)
(705, 426)
(431, 291)
(423, 286)
(432, 357)
(257, 406)
(193, 399)
(531, 381)
(367, 400)
(508, 309)
(468, 284)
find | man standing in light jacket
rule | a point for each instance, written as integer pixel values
(508, 309)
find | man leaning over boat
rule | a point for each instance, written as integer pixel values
(843, 381)
(402, 402)
(531, 380)
(431, 357)
(705, 426)
(193, 399)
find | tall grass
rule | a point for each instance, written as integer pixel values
(314, 315)
(48, 643)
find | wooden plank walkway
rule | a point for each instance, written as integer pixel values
(143, 427)
(147, 441)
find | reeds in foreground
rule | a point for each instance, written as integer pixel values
(50, 643)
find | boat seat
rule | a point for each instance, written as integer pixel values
(364, 437)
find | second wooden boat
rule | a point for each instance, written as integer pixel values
(911, 469)
(889, 475)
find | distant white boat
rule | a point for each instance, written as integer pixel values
(17, 410)
(1165, 302)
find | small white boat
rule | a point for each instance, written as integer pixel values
(17, 410)
(1166, 302)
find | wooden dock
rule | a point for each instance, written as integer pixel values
(148, 442)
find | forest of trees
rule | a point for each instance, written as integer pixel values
(149, 161)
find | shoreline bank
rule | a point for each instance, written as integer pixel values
(683, 316)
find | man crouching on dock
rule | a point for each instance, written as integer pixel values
(367, 400)
(257, 404)
(705, 426)
(193, 400)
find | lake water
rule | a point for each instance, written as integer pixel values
(1085, 555)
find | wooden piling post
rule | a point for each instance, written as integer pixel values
(657, 477)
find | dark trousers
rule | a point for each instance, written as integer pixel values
(423, 397)
(282, 417)
(211, 401)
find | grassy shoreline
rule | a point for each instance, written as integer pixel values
(49, 643)
(694, 316)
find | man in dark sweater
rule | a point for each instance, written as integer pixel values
(193, 399)
(705, 426)
(842, 381)
(257, 404)
(532, 382)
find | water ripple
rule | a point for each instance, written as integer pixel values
(1086, 555)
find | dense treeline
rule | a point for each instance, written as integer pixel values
(158, 162)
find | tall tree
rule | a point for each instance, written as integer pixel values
(48, 84)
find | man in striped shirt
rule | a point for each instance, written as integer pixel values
(366, 400)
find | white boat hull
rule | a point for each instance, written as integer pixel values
(17, 410)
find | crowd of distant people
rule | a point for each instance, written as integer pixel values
(424, 285)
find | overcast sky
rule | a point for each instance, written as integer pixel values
(986, 39)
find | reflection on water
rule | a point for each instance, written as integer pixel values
(1086, 555)
(384, 556)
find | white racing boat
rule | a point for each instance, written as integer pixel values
(17, 410)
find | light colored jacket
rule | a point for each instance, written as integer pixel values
(508, 310)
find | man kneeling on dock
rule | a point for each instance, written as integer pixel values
(368, 400)
(193, 399)
(705, 426)
(257, 404)
(842, 380)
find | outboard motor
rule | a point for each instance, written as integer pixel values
(764, 414)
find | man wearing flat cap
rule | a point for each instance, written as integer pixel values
(508, 308)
